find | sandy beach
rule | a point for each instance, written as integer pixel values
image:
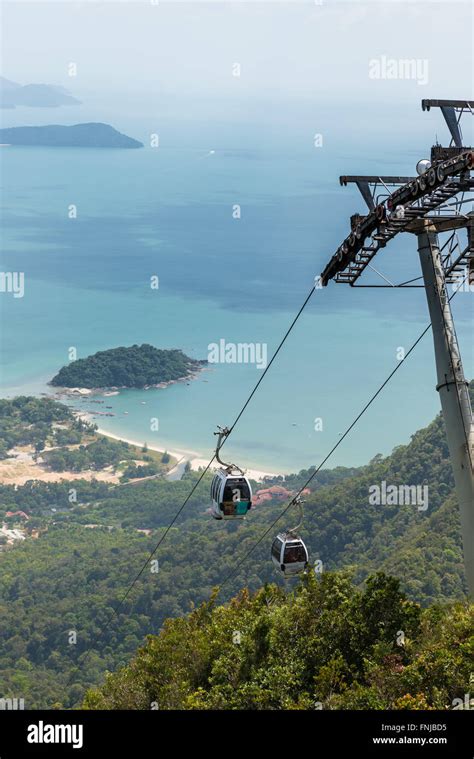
(184, 455)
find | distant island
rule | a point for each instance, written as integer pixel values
(13, 94)
(138, 366)
(93, 135)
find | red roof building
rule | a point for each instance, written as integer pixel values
(17, 514)
(267, 494)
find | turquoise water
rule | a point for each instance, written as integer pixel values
(168, 213)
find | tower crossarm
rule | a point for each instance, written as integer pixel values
(425, 196)
(453, 111)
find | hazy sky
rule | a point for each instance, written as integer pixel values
(283, 48)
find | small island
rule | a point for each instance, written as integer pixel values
(138, 366)
(93, 135)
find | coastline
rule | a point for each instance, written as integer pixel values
(182, 455)
(60, 391)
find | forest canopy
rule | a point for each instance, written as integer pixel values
(89, 548)
(327, 645)
(26, 420)
(136, 366)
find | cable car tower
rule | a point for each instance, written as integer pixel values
(435, 202)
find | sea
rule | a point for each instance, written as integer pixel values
(233, 210)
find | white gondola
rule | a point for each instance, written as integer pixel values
(231, 493)
(289, 552)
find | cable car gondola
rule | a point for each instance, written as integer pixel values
(289, 552)
(231, 495)
(231, 492)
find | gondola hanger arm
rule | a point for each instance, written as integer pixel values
(222, 433)
(297, 501)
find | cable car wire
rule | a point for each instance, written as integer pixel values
(206, 469)
(116, 609)
(277, 351)
(328, 455)
(232, 574)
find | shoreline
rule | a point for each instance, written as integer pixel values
(182, 454)
(60, 391)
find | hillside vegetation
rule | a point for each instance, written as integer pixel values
(25, 420)
(327, 645)
(74, 575)
(48, 434)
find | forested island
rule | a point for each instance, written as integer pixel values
(92, 135)
(138, 366)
